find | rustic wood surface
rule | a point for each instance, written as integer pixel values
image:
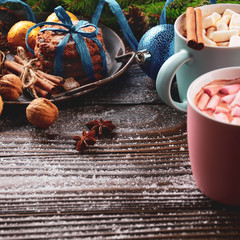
(135, 184)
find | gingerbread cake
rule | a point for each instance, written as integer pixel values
(45, 48)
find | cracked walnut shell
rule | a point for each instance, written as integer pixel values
(10, 87)
(41, 112)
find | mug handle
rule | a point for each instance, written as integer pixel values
(165, 77)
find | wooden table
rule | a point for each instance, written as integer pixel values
(135, 184)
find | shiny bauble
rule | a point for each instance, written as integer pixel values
(53, 17)
(154, 48)
(17, 34)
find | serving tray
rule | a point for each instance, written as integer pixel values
(118, 61)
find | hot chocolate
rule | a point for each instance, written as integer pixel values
(220, 100)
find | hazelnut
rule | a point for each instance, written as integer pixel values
(10, 87)
(1, 105)
(41, 112)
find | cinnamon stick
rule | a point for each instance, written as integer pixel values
(41, 92)
(46, 85)
(13, 67)
(48, 77)
(199, 29)
(191, 28)
(194, 28)
(18, 60)
(56, 79)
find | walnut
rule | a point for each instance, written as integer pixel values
(41, 112)
(10, 87)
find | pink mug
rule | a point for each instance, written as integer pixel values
(214, 146)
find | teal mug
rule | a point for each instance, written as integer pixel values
(188, 64)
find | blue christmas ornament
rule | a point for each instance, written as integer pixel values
(156, 46)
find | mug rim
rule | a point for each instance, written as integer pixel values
(200, 82)
(205, 6)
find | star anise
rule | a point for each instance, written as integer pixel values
(101, 127)
(85, 140)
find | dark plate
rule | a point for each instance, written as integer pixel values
(118, 62)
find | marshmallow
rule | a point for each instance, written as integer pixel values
(208, 21)
(228, 98)
(216, 16)
(236, 120)
(208, 41)
(225, 19)
(230, 89)
(213, 102)
(236, 27)
(220, 109)
(221, 26)
(224, 103)
(223, 36)
(235, 20)
(209, 32)
(212, 89)
(203, 100)
(228, 12)
(236, 111)
(222, 117)
(223, 44)
(211, 20)
(234, 41)
(236, 100)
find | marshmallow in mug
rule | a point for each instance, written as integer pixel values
(220, 100)
(222, 30)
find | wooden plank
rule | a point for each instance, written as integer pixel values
(134, 184)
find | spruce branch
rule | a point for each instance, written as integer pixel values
(86, 8)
